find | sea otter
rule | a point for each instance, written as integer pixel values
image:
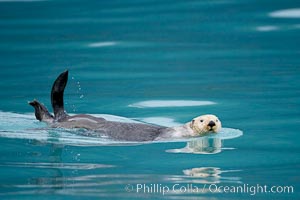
(199, 126)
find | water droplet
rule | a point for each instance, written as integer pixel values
(73, 108)
(81, 96)
(77, 157)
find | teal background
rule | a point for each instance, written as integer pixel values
(234, 53)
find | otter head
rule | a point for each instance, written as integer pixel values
(205, 124)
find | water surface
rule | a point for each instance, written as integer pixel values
(161, 62)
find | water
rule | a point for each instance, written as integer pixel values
(161, 62)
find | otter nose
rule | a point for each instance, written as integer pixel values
(211, 123)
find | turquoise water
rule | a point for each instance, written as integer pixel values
(161, 62)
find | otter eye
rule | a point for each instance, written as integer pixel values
(201, 120)
(217, 120)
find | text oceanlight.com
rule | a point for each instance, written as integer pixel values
(155, 188)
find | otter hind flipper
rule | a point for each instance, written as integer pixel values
(41, 112)
(57, 96)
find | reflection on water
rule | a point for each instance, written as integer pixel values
(170, 103)
(210, 144)
(267, 28)
(57, 176)
(209, 175)
(201, 146)
(55, 165)
(288, 13)
(112, 185)
(102, 44)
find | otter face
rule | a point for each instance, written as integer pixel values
(205, 124)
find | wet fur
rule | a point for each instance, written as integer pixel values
(114, 130)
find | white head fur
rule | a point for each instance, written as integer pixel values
(199, 126)
(205, 124)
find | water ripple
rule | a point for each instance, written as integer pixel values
(103, 44)
(170, 103)
(7, 1)
(77, 166)
(288, 13)
(267, 28)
